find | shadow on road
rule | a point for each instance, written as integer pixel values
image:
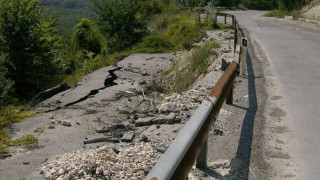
(246, 136)
(244, 147)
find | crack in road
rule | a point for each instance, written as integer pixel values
(109, 82)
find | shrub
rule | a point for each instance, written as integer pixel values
(6, 85)
(149, 7)
(182, 30)
(156, 42)
(188, 44)
(86, 37)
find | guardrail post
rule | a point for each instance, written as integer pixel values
(202, 157)
(235, 35)
(225, 18)
(233, 19)
(229, 99)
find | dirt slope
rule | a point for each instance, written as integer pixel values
(312, 11)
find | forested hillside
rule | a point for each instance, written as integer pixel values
(69, 12)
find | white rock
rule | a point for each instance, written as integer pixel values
(61, 171)
(167, 107)
(288, 18)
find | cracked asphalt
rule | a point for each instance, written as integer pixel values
(98, 99)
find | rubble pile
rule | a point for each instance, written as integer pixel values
(102, 163)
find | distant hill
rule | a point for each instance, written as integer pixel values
(69, 12)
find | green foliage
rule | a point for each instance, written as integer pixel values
(6, 85)
(198, 64)
(86, 38)
(276, 13)
(28, 139)
(157, 42)
(5, 141)
(31, 45)
(13, 114)
(291, 4)
(183, 29)
(282, 13)
(149, 7)
(168, 71)
(200, 58)
(192, 3)
(259, 4)
(120, 22)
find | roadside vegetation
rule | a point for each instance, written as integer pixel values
(8, 116)
(198, 64)
(288, 8)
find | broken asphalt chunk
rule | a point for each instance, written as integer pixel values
(110, 128)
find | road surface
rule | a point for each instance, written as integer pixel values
(293, 51)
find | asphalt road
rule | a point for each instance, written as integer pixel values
(293, 51)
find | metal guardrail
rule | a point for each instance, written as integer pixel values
(190, 145)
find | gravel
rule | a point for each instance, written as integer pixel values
(102, 163)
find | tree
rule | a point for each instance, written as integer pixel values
(120, 22)
(6, 84)
(31, 44)
(86, 38)
(291, 4)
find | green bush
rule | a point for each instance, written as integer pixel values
(6, 85)
(149, 7)
(182, 29)
(188, 44)
(86, 38)
(156, 42)
(162, 24)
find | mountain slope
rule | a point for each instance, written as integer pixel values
(69, 12)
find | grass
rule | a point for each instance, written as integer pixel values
(5, 141)
(10, 115)
(283, 13)
(179, 77)
(13, 114)
(198, 64)
(168, 71)
(200, 58)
